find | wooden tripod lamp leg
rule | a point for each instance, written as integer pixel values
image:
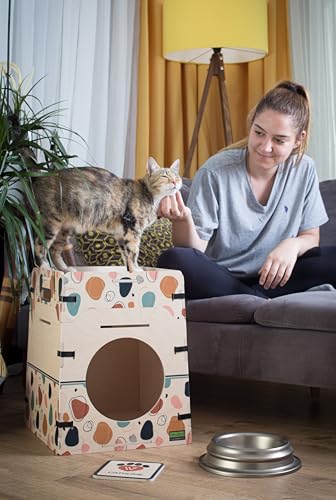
(216, 68)
(224, 100)
(199, 117)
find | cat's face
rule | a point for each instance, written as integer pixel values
(166, 181)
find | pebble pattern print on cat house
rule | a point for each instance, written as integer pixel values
(107, 363)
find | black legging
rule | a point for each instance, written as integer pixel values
(204, 278)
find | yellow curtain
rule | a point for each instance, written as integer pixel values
(169, 92)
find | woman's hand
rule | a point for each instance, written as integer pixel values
(279, 264)
(184, 233)
(173, 208)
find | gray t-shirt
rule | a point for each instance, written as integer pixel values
(242, 232)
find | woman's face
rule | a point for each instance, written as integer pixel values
(271, 140)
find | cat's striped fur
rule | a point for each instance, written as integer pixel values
(90, 198)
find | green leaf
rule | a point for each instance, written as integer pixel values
(30, 146)
(3, 196)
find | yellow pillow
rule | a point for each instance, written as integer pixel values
(100, 249)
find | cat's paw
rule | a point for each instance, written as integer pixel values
(132, 268)
(60, 265)
(64, 269)
(44, 264)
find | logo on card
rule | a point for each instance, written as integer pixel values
(131, 467)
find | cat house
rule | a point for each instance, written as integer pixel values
(107, 362)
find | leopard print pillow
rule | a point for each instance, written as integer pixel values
(100, 249)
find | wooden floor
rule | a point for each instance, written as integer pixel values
(28, 470)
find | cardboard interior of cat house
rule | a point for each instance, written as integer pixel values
(107, 364)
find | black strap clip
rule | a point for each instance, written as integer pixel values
(70, 298)
(176, 296)
(183, 416)
(64, 424)
(181, 348)
(66, 354)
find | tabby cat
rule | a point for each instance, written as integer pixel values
(91, 198)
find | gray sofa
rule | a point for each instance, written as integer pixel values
(290, 339)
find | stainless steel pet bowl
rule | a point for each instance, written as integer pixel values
(249, 454)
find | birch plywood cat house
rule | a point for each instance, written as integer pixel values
(107, 365)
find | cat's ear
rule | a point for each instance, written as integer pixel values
(175, 167)
(152, 166)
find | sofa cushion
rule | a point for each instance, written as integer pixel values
(230, 309)
(100, 249)
(303, 311)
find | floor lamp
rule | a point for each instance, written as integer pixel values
(211, 32)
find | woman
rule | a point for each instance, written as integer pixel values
(254, 210)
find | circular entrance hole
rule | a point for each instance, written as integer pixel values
(124, 379)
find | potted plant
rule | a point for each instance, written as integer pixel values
(30, 145)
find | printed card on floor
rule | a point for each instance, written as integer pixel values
(119, 469)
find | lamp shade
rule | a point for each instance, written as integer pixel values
(192, 28)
